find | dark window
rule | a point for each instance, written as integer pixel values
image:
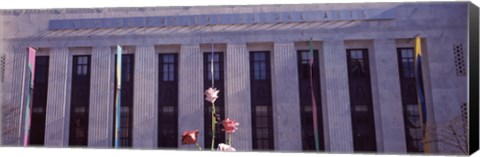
(413, 131)
(127, 68)
(219, 103)
(363, 125)
(261, 99)
(259, 66)
(168, 101)
(126, 102)
(306, 108)
(407, 62)
(80, 99)
(39, 102)
(168, 70)
(82, 66)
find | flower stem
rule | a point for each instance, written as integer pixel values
(213, 124)
(229, 139)
(198, 146)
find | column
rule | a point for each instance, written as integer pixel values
(101, 102)
(336, 97)
(13, 105)
(144, 98)
(388, 91)
(190, 92)
(58, 103)
(237, 94)
(286, 103)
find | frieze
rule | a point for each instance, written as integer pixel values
(219, 19)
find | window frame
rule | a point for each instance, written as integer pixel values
(306, 115)
(363, 122)
(409, 100)
(168, 103)
(261, 91)
(80, 101)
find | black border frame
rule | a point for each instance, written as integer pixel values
(473, 80)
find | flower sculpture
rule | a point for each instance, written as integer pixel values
(230, 126)
(190, 137)
(212, 95)
(225, 148)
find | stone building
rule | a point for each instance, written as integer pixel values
(363, 76)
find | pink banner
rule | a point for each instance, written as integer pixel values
(28, 111)
(31, 62)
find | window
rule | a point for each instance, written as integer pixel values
(261, 100)
(217, 69)
(125, 126)
(263, 127)
(259, 66)
(168, 68)
(407, 62)
(363, 126)
(168, 101)
(219, 103)
(413, 131)
(80, 100)
(357, 64)
(308, 136)
(127, 68)
(82, 66)
(126, 100)
(39, 101)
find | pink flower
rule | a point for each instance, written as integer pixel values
(230, 125)
(225, 148)
(212, 94)
(189, 137)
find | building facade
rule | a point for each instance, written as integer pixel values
(363, 76)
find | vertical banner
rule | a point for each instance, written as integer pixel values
(314, 104)
(211, 65)
(420, 95)
(117, 96)
(28, 108)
